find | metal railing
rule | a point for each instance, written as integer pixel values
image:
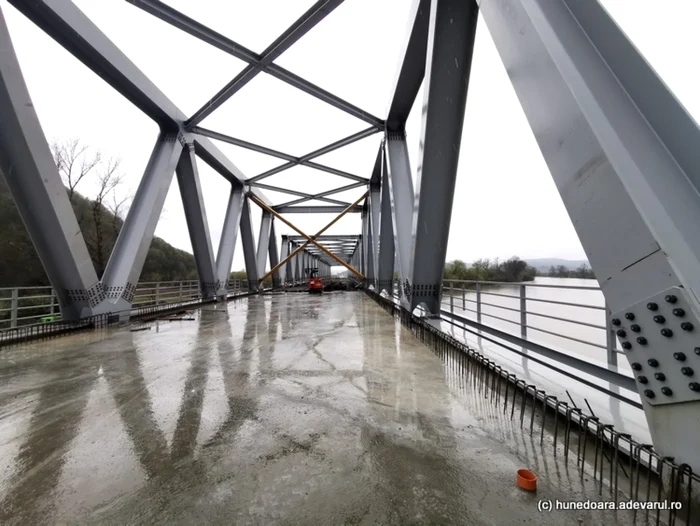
(627, 467)
(21, 306)
(540, 312)
(567, 324)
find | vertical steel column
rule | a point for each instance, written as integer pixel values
(293, 263)
(297, 264)
(274, 257)
(523, 312)
(375, 207)
(248, 242)
(449, 55)
(385, 272)
(363, 236)
(302, 257)
(610, 338)
(263, 241)
(39, 194)
(130, 250)
(284, 252)
(367, 242)
(401, 193)
(196, 216)
(14, 308)
(624, 156)
(229, 234)
(478, 302)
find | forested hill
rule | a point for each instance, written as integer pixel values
(20, 265)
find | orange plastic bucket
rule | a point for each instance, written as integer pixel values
(527, 480)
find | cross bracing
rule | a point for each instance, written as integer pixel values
(620, 148)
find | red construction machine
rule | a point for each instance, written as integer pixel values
(315, 283)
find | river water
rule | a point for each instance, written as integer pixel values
(500, 308)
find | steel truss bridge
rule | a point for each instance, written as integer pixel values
(621, 149)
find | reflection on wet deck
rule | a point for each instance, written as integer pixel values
(289, 409)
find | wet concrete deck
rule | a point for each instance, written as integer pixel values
(290, 409)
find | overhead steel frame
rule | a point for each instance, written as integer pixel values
(35, 183)
(340, 245)
(622, 151)
(438, 52)
(624, 155)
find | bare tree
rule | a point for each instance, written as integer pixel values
(108, 180)
(119, 206)
(73, 162)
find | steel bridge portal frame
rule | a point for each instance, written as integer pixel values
(621, 149)
(37, 189)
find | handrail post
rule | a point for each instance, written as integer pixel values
(180, 291)
(157, 292)
(610, 340)
(452, 298)
(523, 312)
(478, 302)
(13, 308)
(464, 297)
(53, 301)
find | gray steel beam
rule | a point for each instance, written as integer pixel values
(273, 171)
(327, 237)
(39, 194)
(314, 209)
(229, 234)
(248, 242)
(324, 194)
(292, 161)
(340, 143)
(298, 29)
(317, 153)
(363, 266)
(274, 256)
(196, 216)
(375, 205)
(401, 192)
(68, 25)
(334, 245)
(241, 143)
(284, 273)
(623, 154)
(263, 242)
(368, 246)
(129, 254)
(202, 32)
(448, 65)
(306, 196)
(297, 266)
(376, 177)
(334, 171)
(387, 255)
(412, 68)
(308, 164)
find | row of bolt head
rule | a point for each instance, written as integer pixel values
(653, 362)
(694, 386)
(653, 306)
(661, 377)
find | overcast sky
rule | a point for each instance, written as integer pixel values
(505, 201)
